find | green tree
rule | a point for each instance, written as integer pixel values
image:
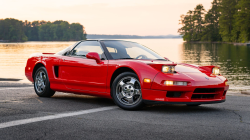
(188, 26)
(12, 30)
(226, 21)
(193, 24)
(15, 30)
(76, 30)
(199, 12)
(211, 30)
(241, 30)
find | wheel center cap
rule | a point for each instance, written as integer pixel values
(128, 91)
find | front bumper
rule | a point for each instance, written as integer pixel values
(186, 95)
(199, 90)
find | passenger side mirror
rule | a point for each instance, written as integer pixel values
(94, 55)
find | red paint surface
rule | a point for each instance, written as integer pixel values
(89, 76)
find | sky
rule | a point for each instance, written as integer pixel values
(123, 17)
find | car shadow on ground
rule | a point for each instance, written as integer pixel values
(85, 99)
(154, 108)
(157, 108)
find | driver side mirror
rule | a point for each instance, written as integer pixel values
(95, 56)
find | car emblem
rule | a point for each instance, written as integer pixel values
(207, 78)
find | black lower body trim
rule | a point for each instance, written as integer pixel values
(187, 103)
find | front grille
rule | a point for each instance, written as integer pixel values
(205, 90)
(202, 96)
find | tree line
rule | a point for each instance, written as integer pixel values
(14, 30)
(226, 21)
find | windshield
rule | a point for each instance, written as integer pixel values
(130, 50)
(66, 50)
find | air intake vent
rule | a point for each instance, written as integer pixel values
(56, 69)
(205, 90)
(202, 96)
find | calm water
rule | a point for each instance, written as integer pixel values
(233, 60)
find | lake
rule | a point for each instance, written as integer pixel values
(233, 60)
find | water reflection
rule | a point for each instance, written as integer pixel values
(13, 56)
(233, 60)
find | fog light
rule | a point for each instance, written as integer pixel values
(169, 83)
(147, 80)
(180, 83)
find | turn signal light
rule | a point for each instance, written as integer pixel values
(226, 83)
(147, 80)
(169, 83)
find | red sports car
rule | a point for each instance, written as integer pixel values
(126, 71)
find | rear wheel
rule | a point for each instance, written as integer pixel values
(126, 91)
(41, 83)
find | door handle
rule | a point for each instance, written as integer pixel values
(63, 59)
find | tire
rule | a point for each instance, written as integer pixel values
(126, 91)
(41, 83)
(193, 104)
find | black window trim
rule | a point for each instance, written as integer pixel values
(106, 52)
(101, 45)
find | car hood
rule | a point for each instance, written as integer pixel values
(193, 72)
(180, 67)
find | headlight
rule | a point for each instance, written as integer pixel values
(216, 71)
(177, 83)
(168, 69)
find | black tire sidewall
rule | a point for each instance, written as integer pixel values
(136, 106)
(47, 92)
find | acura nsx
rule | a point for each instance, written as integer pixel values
(125, 71)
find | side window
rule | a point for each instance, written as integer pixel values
(83, 48)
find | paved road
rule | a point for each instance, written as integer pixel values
(23, 115)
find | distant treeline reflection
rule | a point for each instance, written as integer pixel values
(227, 21)
(13, 30)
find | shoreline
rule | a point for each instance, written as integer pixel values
(234, 43)
(87, 39)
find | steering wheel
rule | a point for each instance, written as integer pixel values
(142, 57)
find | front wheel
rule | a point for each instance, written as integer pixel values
(41, 83)
(126, 91)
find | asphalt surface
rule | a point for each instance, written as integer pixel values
(229, 120)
